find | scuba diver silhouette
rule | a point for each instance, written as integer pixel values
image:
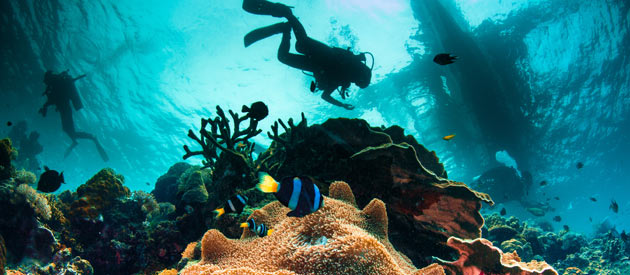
(60, 90)
(332, 67)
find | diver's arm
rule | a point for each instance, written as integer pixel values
(326, 96)
(44, 108)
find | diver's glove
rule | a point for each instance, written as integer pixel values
(348, 106)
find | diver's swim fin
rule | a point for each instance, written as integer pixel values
(67, 153)
(101, 151)
(264, 7)
(264, 32)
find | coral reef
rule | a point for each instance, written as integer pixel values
(337, 239)
(166, 186)
(568, 252)
(224, 138)
(27, 144)
(7, 154)
(64, 263)
(3, 255)
(425, 209)
(480, 257)
(103, 189)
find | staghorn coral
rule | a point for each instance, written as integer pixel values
(356, 243)
(222, 137)
(38, 202)
(480, 257)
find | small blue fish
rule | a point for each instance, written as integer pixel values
(300, 194)
(261, 229)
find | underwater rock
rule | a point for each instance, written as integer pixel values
(501, 233)
(357, 243)
(191, 189)
(424, 209)
(480, 257)
(103, 189)
(166, 186)
(502, 184)
(7, 153)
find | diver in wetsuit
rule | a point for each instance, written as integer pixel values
(332, 67)
(60, 91)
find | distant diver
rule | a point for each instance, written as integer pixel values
(333, 68)
(60, 90)
(444, 59)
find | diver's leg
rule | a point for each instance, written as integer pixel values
(297, 61)
(99, 148)
(304, 44)
(67, 122)
(298, 28)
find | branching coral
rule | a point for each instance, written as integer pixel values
(222, 137)
(291, 134)
(356, 242)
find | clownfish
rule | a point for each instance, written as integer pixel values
(261, 229)
(300, 194)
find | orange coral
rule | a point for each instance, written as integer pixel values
(479, 256)
(168, 272)
(189, 252)
(337, 239)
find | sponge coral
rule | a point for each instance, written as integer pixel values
(337, 239)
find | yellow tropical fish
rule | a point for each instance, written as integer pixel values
(449, 137)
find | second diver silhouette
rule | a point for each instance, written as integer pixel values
(60, 91)
(332, 67)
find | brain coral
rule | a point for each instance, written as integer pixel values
(337, 239)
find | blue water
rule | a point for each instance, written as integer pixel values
(551, 85)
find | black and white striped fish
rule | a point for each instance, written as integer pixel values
(260, 229)
(234, 205)
(300, 194)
